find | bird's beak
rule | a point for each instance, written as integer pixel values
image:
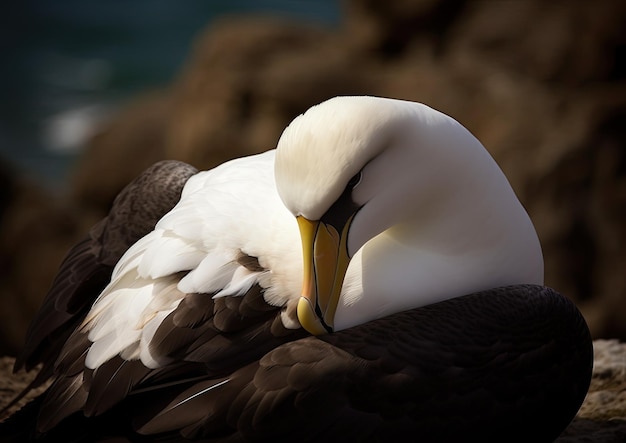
(326, 260)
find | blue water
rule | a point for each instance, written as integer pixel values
(68, 62)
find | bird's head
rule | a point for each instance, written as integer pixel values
(352, 168)
(330, 163)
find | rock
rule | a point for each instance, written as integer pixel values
(12, 384)
(36, 230)
(124, 146)
(562, 43)
(601, 418)
(607, 394)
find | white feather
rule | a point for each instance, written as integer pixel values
(168, 254)
(147, 335)
(193, 249)
(241, 281)
(212, 274)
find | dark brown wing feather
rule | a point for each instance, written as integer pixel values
(203, 338)
(87, 267)
(511, 364)
(222, 333)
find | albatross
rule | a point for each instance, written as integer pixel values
(373, 278)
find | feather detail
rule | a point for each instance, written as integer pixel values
(147, 335)
(241, 281)
(212, 274)
(112, 382)
(184, 410)
(167, 254)
(66, 396)
(118, 320)
(110, 345)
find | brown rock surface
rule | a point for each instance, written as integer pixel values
(35, 232)
(601, 419)
(542, 84)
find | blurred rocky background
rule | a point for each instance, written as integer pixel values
(541, 84)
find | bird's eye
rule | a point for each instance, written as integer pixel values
(355, 180)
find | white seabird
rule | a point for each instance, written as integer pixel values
(369, 209)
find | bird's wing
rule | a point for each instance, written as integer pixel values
(87, 267)
(459, 367)
(203, 338)
(185, 301)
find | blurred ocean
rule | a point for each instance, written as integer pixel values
(68, 63)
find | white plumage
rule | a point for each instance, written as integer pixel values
(438, 219)
(223, 212)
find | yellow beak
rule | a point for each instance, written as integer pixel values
(325, 263)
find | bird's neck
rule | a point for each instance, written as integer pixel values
(465, 246)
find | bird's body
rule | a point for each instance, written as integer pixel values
(369, 209)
